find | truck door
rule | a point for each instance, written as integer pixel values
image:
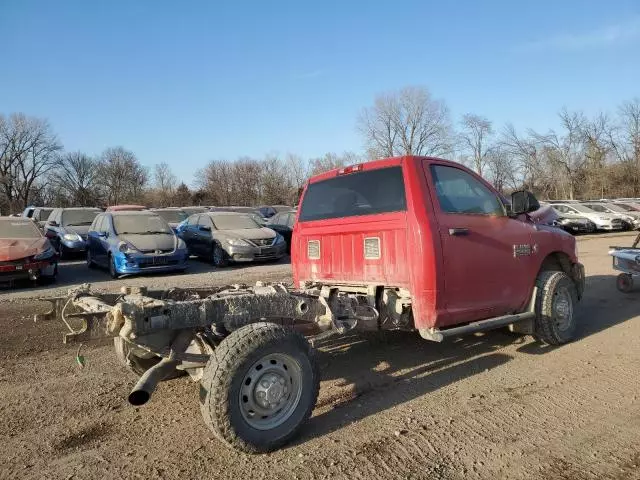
(487, 256)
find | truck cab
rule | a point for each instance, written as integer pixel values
(433, 246)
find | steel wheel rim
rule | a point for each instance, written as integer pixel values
(270, 391)
(562, 308)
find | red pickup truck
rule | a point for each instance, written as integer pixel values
(411, 243)
(437, 249)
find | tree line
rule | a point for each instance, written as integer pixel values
(584, 157)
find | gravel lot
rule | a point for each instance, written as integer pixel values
(484, 406)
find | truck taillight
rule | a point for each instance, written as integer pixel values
(351, 169)
(372, 248)
(313, 249)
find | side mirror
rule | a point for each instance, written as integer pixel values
(523, 202)
(204, 228)
(102, 234)
(53, 223)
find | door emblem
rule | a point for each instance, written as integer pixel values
(522, 250)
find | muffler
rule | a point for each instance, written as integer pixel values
(149, 380)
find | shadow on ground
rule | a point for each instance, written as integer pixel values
(405, 366)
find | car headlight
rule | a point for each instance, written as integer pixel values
(237, 242)
(71, 237)
(125, 247)
(48, 253)
(279, 239)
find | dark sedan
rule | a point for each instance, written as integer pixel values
(67, 229)
(282, 222)
(224, 237)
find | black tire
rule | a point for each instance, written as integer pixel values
(624, 282)
(112, 268)
(227, 374)
(555, 324)
(219, 257)
(90, 263)
(49, 279)
(136, 364)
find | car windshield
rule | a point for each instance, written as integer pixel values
(233, 222)
(581, 208)
(44, 214)
(615, 208)
(626, 208)
(141, 224)
(11, 228)
(71, 218)
(598, 208)
(172, 216)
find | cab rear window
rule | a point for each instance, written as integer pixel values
(362, 193)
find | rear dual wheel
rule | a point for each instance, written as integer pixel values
(259, 387)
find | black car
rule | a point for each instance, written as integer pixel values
(282, 222)
(268, 211)
(67, 229)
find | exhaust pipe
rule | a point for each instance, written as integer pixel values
(148, 382)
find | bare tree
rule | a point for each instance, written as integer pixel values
(183, 195)
(122, 176)
(165, 184)
(408, 122)
(28, 151)
(77, 179)
(565, 150)
(475, 138)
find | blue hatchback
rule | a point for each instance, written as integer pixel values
(128, 242)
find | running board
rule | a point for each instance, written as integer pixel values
(437, 335)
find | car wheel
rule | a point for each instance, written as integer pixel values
(557, 297)
(48, 279)
(259, 387)
(90, 263)
(624, 282)
(112, 267)
(219, 257)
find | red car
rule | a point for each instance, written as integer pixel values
(25, 252)
(434, 244)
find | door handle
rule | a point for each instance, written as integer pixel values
(458, 231)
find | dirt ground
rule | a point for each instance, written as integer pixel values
(486, 406)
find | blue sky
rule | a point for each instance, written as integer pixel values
(186, 82)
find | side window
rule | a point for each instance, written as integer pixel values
(95, 226)
(276, 219)
(459, 192)
(105, 225)
(193, 220)
(291, 220)
(204, 221)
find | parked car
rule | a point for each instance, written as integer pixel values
(628, 205)
(192, 210)
(127, 208)
(129, 242)
(602, 221)
(268, 211)
(27, 212)
(632, 218)
(40, 216)
(173, 216)
(570, 222)
(222, 237)
(25, 252)
(67, 229)
(282, 222)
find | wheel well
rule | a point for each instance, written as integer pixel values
(556, 261)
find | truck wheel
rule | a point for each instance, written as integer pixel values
(135, 363)
(624, 282)
(557, 296)
(259, 387)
